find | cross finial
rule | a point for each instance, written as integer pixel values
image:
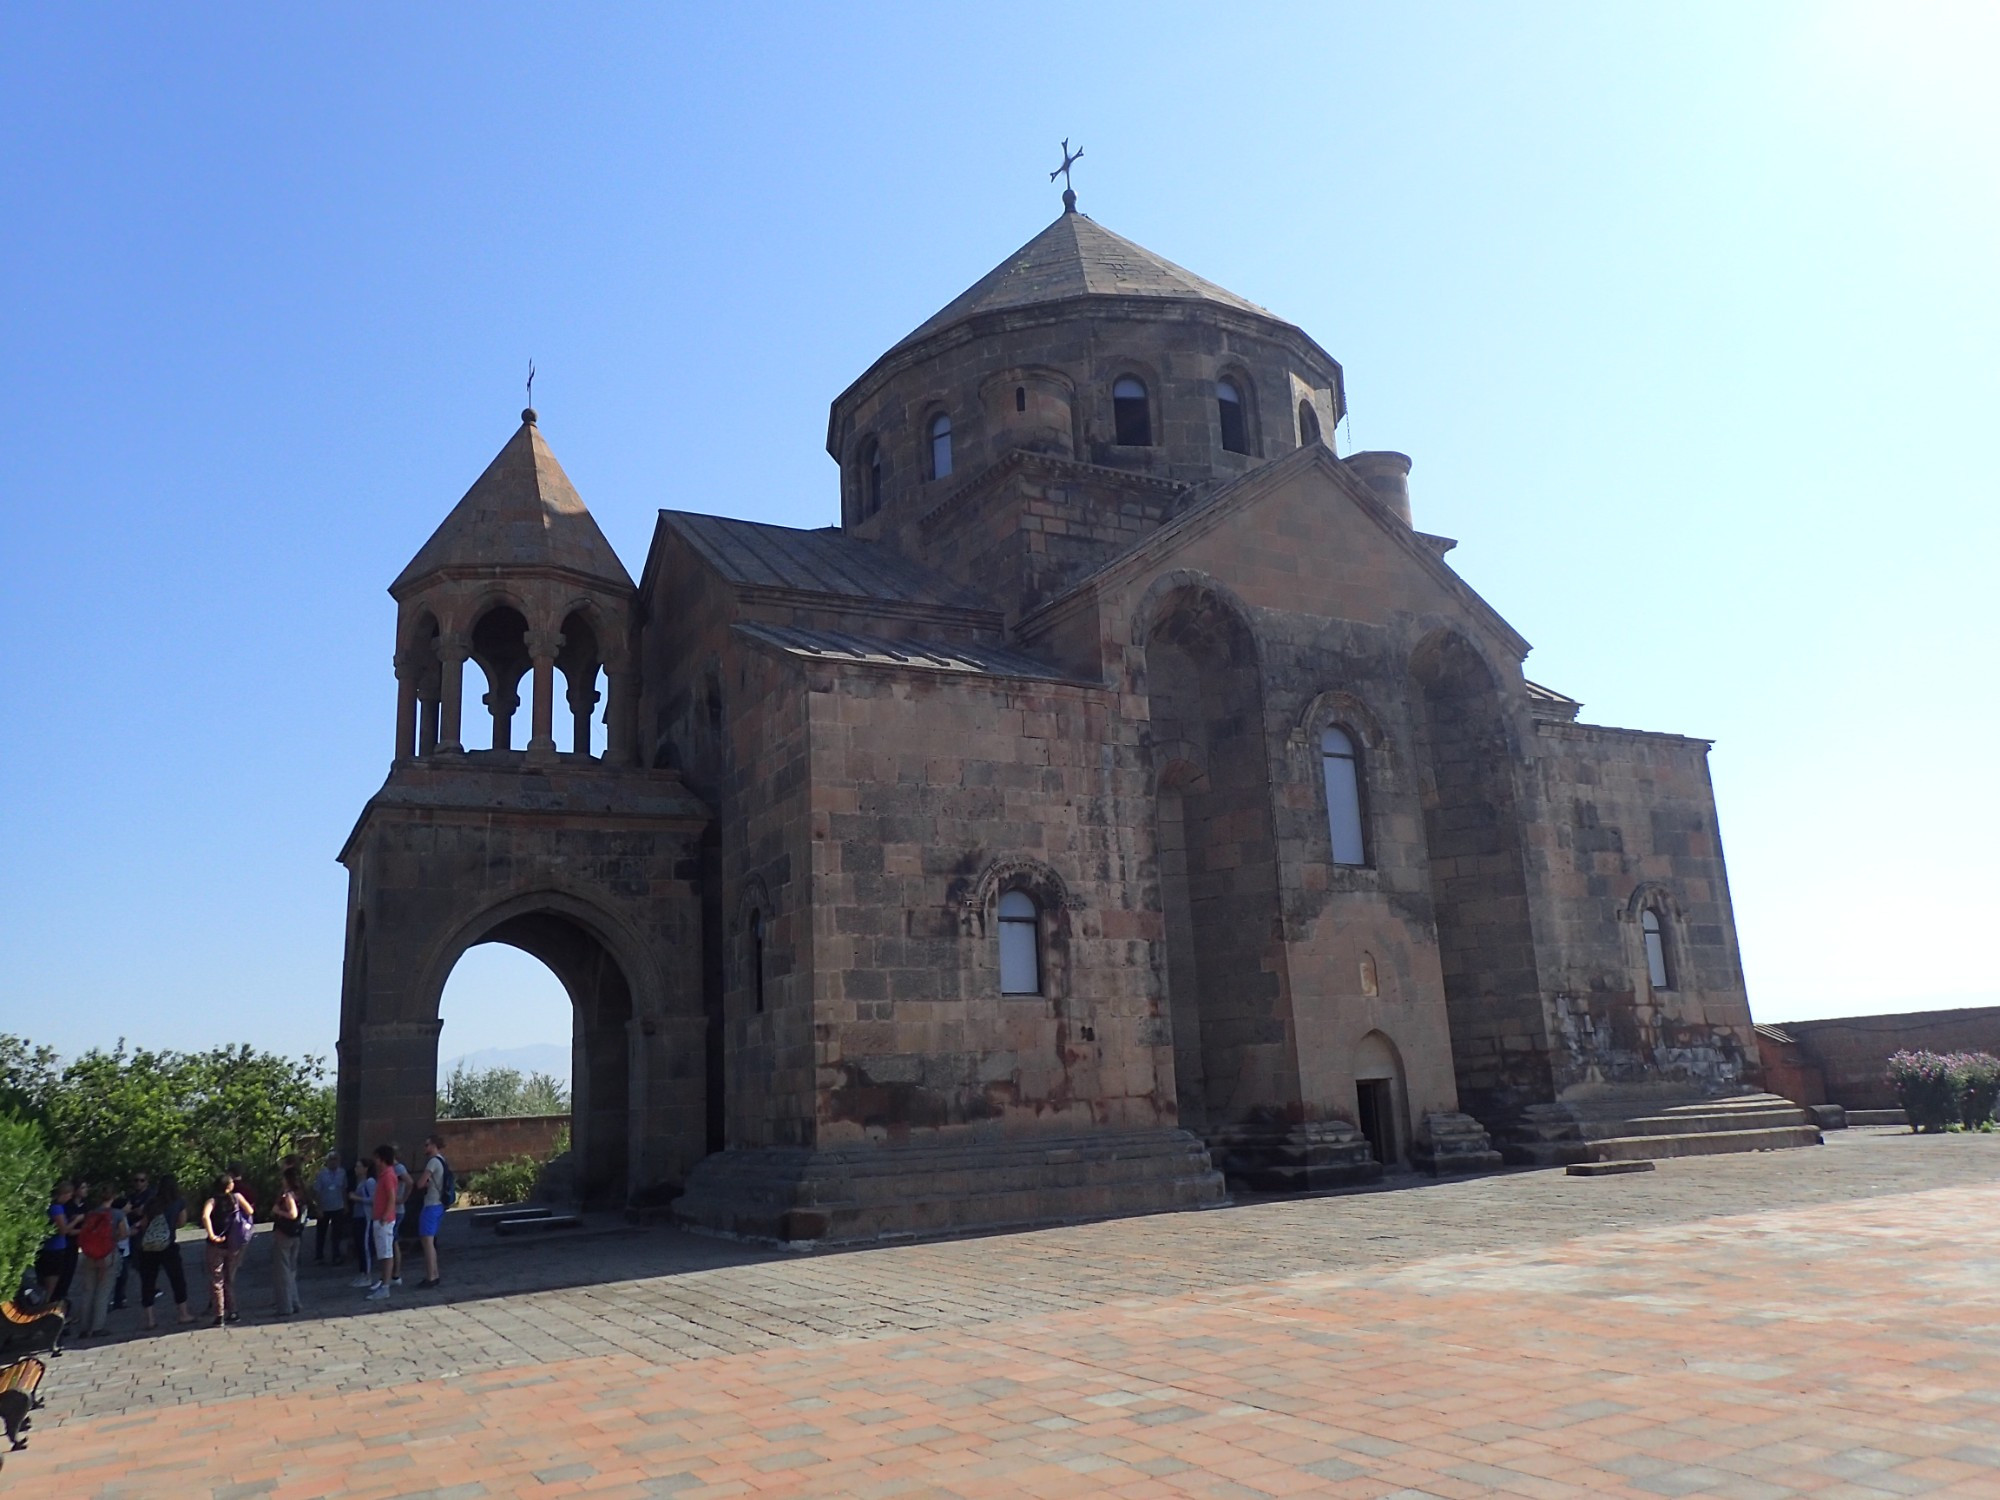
(1070, 159)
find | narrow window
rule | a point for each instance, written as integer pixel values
(1656, 950)
(1020, 398)
(1342, 769)
(1229, 405)
(757, 957)
(1308, 425)
(1020, 944)
(871, 478)
(1130, 413)
(941, 446)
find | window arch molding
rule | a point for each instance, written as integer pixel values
(1336, 708)
(938, 436)
(978, 900)
(1149, 383)
(1659, 902)
(1234, 375)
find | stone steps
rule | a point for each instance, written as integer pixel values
(1552, 1135)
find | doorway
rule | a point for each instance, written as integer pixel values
(1375, 1113)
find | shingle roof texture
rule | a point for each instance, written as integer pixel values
(521, 513)
(1076, 257)
(936, 656)
(827, 561)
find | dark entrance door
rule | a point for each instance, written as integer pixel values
(1376, 1116)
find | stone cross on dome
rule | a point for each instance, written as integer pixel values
(1070, 159)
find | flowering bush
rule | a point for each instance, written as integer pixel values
(1924, 1083)
(1977, 1077)
(1942, 1089)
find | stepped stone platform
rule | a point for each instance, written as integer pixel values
(1558, 1135)
(868, 1193)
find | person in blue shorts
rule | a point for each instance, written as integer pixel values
(430, 1217)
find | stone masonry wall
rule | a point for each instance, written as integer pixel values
(1630, 817)
(932, 793)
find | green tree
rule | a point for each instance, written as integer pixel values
(27, 1076)
(488, 1093)
(190, 1113)
(27, 1172)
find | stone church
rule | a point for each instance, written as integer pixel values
(1124, 801)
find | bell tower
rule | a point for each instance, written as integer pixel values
(518, 581)
(562, 846)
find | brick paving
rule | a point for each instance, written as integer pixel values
(1812, 1323)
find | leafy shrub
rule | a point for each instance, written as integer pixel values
(1976, 1076)
(511, 1181)
(27, 1172)
(491, 1093)
(1926, 1084)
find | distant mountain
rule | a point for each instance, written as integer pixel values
(540, 1057)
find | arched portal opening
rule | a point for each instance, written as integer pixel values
(574, 971)
(1218, 865)
(1479, 888)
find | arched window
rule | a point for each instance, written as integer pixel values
(1340, 764)
(1130, 413)
(941, 446)
(868, 478)
(1229, 406)
(1020, 944)
(1020, 398)
(1308, 425)
(757, 957)
(1657, 972)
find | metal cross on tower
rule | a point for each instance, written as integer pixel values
(1070, 159)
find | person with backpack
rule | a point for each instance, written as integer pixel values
(288, 1228)
(165, 1211)
(97, 1265)
(225, 1222)
(439, 1191)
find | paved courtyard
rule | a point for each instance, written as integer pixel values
(1815, 1322)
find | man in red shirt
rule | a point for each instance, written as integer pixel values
(382, 1221)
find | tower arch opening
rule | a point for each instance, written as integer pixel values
(500, 649)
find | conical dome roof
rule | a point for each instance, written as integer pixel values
(1076, 257)
(521, 514)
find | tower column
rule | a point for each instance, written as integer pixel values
(542, 648)
(406, 708)
(452, 652)
(621, 715)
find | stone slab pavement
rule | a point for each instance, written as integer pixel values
(1803, 1323)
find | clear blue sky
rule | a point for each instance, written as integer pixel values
(1687, 314)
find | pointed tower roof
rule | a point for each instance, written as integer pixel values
(521, 514)
(1076, 257)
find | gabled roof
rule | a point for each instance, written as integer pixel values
(1076, 257)
(828, 561)
(522, 513)
(879, 651)
(1547, 703)
(1217, 507)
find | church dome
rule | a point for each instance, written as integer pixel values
(1075, 257)
(1080, 346)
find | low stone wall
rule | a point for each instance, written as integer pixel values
(1848, 1054)
(474, 1145)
